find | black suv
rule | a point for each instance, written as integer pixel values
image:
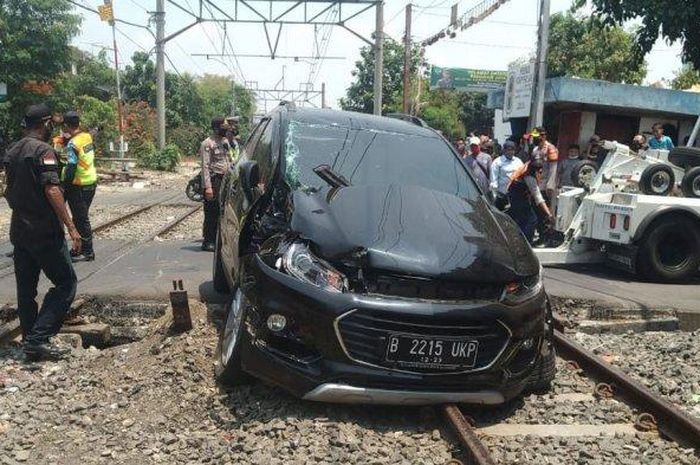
(365, 265)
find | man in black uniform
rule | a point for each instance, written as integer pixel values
(36, 232)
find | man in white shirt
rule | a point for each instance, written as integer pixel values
(503, 168)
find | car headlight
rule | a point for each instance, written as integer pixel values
(299, 262)
(518, 292)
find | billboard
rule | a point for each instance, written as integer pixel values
(518, 95)
(473, 80)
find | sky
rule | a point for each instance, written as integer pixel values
(506, 35)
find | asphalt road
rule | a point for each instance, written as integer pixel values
(620, 289)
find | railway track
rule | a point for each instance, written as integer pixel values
(654, 417)
(10, 329)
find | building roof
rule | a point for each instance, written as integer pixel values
(613, 96)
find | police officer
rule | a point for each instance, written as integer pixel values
(526, 199)
(36, 232)
(214, 153)
(80, 180)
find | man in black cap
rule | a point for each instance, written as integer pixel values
(36, 232)
(79, 179)
(214, 153)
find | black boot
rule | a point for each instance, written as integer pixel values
(35, 351)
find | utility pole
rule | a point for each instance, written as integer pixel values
(323, 95)
(378, 58)
(537, 108)
(120, 150)
(407, 52)
(160, 72)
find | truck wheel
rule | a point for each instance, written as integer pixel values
(227, 368)
(218, 275)
(691, 183)
(670, 250)
(657, 179)
(583, 173)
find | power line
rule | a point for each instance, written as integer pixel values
(91, 10)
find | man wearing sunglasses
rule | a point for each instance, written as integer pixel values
(36, 232)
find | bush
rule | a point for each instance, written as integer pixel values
(161, 160)
(187, 138)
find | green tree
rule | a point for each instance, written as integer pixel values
(588, 48)
(34, 38)
(686, 77)
(139, 79)
(360, 94)
(473, 112)
(220, 94)
(92, 78)
(673, 19)
(95, 113)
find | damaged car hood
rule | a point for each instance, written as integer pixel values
(411, 230)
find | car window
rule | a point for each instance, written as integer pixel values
(263, 152)
(253, 137)
(371, 157)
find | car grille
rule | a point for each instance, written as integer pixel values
(432, 289)
(364, 335)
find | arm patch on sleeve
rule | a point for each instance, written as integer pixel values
(48, 159)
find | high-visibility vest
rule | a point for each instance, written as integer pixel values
(82, 147)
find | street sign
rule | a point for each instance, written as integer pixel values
(3, 92)
(472, 80)
(518, 95)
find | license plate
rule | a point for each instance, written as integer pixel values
(427, 352)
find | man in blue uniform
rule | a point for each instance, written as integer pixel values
(36, 232)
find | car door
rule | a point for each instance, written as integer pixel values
(235, 205)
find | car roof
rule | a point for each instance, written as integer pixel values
(354, 120)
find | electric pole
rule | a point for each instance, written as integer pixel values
(537, 108)
(160, 72)
(378, 58)
(407, 52)
(323, 95)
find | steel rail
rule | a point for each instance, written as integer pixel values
(174, 222)
(672, 422)
(475, 450)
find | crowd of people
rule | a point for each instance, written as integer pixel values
(524, 176)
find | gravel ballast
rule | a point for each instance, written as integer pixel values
(144, 224)
(155, 401)
(190, 229)
(666, 362)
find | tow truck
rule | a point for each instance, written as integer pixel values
(613, 220)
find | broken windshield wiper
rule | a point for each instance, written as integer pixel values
(333, 179)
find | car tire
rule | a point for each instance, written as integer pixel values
(540, 380)
(584, 173)
(670, 250)
(227, 369)
(657, 179)
(218, 275)
(690, 185)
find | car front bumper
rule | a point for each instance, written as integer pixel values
(313, 363)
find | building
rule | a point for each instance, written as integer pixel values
(575, 109)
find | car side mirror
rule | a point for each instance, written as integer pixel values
(249, 175)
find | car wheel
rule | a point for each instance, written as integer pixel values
(228, 369)
(670, 250)
(583, 174)
(218, 275)
(540, 380)
(657, 179)
(690, 185)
